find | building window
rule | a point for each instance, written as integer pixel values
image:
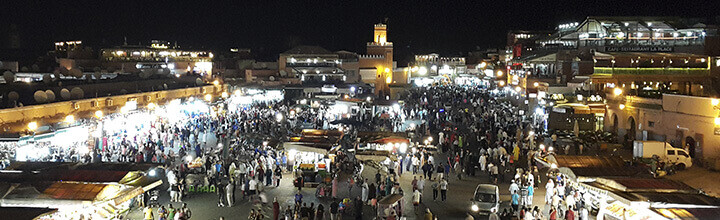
(651, 124)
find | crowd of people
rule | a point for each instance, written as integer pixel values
(237, 152)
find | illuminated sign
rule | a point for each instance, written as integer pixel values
(639, 49)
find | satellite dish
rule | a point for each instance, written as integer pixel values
(9, 77)
(65, 94)
(46, 78)
(77, 93)
(165, 86)
(272, 78)
(40, 96)
(13, 96)
(50, 95)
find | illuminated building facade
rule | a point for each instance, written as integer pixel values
(159, 55)
(312, 64)
(377, 66)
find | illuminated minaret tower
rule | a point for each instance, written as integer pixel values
(383, 50)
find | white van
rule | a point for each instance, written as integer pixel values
(486, 199)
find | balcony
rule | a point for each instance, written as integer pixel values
(650, 71)
(322, 64)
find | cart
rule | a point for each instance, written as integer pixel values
(389, 205)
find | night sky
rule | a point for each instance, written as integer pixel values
(271, 27)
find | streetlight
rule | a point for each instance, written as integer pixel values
(32, 126)
(208, 97)
(216, 82)
(423, 70)
(98, 114)
(225, 95)
(617, 91)
(69, 119)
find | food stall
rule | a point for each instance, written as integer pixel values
(87, 191)
(313, 152)
(389, 205)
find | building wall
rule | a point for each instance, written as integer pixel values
(15, 119)
(675, 119)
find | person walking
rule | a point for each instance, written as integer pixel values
(529, 197)
(276, 209)
(364, 193)
(435, 186)
(443, 189)
(230, 194)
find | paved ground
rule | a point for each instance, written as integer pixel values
(699, 178)
(204, 206)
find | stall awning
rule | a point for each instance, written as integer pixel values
(308, 147)
(391, 199)
(24, 213)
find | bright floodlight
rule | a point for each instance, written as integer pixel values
(617, 91)
(423, 70)
(32, 126)
(98, 114)
(208, 97)
(70, 119)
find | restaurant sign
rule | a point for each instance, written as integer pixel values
(639, 49)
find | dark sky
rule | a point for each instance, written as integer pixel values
(270, 27)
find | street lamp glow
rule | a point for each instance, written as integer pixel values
(216, 82)
(715, 102)
(69, 119)
(32, 126)
(502, 83)
(225, 95)
(423, 70)
(499, 73)
(617, 91)
(518, 89)
(483, 65)
(622, 106)
(237, 92)
(388, 80)
(208, 97)
(151, 106)
(279, 117)
(98, 114)
(536, 84)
